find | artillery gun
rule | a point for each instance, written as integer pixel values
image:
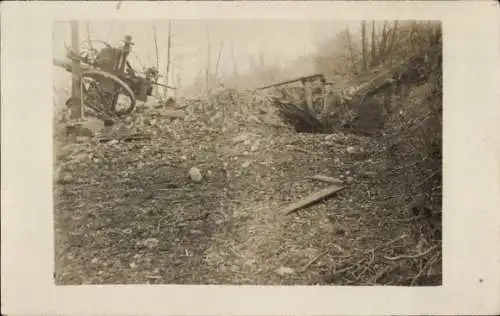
(110, 86)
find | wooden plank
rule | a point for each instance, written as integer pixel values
(311, 199)
(326, 179)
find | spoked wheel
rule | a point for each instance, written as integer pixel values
(106, 93)
(90, 49)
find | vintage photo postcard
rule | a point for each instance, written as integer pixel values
(242, 158)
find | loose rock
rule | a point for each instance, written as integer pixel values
(351, 150)
(113, 142)
(195, 174)
(285, 270)
(255, 146)
(241, 138)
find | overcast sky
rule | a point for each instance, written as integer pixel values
(278, 40)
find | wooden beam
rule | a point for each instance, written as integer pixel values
(311, 199)
(321, 77)
(326, 179)
(309, 100)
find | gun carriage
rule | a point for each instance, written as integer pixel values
(110, 86)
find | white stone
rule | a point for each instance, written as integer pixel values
(285, 270)
(195, 174)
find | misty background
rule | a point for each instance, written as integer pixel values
(233, 47)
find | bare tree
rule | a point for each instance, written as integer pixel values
(157, 55)
(89, 38)
(352, 60)
(169, 61)
(262, 61)
(218, 61)
(207, 70)
(233, 57)
(373, 50)
(391, 43)
(178, 91)
(383, 44)
(413, 36)
(363, 45)
(155, 35)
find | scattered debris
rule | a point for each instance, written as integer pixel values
(313, 260)
(241, 138)
(149, 243)
(124, 137)
(221, 220)
(174, 114)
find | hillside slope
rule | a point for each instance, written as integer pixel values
(127, 211)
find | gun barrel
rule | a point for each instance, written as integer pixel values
(164, 85)
(67, 65)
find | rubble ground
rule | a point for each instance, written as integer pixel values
(128, 210)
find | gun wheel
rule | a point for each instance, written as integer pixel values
(90, 49)
(104, 92)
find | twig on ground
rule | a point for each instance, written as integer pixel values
(411, 256)
(432, 175)
(159, 225)
(407, 220)
(380, 274)
(313, 260)
(387, 243)
(424, 268)
(197, 218)
(302, 150)
(359, 276)
(349, 267)
(340, 249)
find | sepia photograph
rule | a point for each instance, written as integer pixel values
(250, 158)
(248, 152)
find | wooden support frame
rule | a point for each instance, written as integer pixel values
(310, 78)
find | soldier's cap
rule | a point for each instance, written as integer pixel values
(128, 40)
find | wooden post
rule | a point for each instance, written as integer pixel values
(308, 95)
(324, 109)
(76, 102)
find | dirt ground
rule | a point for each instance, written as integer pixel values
(128, 211)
